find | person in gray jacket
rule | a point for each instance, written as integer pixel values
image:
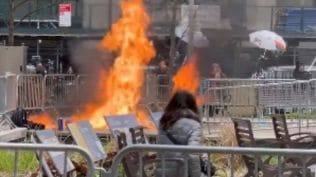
(181, 123)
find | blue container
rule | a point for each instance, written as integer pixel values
(60, 123)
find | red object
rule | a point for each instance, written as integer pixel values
(280, 44)
(64, 8)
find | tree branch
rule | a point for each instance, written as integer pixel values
(36, 10)
(19, 4)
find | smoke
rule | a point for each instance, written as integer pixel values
(89, 60)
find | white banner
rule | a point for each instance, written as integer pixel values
(64, 15)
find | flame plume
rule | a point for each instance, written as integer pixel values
(187, 78)
(45, 119)
(120, 88)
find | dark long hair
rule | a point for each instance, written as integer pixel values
(181, 105)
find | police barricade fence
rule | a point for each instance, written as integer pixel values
(30, 91)
(8, 93)
(252, 100)
(298, 94)
(157, 88)
(209, 82)
(230, 154)
(39, 92)
(229, 100)
(224, 97)
(59, 89)
(40, 149)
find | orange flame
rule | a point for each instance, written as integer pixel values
(119, 90)
(187, 78)
(43, 118)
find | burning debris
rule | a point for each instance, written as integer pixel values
(43, 119)
(119, 88)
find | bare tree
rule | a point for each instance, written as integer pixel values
(13, 6)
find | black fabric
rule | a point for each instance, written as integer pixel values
(204, 163)
(301, 75)
(19, 117)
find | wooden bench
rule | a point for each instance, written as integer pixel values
(126, 131)
(245, 138)
(287, 140)
(131, 162)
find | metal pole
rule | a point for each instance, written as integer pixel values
(191, 28)
(57, 61)
(172, 54)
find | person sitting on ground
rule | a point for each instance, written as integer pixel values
(181, 125)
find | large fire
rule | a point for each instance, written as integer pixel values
(187, 78)
(120, 88)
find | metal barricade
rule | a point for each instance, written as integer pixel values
(40, 148)
(59, 90)
(231, 153)
(230, 101)
(163, 87)
(30, 91)
(82, 83)
(299, 95)
(8, 101)
(232, 97)
(223, 101)
(157, 88)
(207, 83)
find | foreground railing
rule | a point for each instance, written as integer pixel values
(39, 149)
(279, 156)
